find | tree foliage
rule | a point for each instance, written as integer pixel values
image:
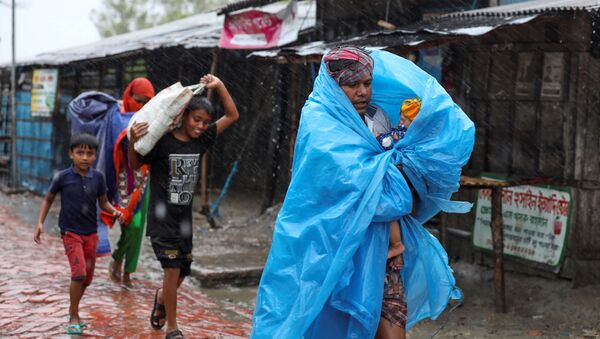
(122, 16)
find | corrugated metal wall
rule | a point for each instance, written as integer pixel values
(35, 155)
(5, 139)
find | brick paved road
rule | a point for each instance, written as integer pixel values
(34, 298)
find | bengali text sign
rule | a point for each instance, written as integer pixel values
(535, 221)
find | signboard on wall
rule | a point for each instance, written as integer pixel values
(553, 75)
(258, 29)
(43, 92)
(535, 222)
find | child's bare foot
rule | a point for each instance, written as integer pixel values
(396, 263)
(114, 271)
(395, 250)
(74, 320)
(127, 279)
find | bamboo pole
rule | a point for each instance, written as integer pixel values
(204, 180)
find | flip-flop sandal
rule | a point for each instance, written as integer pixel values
(177, 334)
(74, 329)
(155, 320)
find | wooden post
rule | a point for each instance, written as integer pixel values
(294, 114)
(498, 244)
(273, 150)
(204, 171)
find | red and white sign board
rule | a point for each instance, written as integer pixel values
(268, 27)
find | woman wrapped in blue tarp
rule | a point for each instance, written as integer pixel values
(324, 277)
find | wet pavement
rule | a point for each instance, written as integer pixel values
(34, 300)
(34, 285)
(235, 253)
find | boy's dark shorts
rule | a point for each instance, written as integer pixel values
(174, 253)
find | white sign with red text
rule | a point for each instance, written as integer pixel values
(260, 29)
(535, 221)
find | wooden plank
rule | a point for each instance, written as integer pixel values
(570, 118)
(479, 80)
(502, 76)
(499, 137)
(578, 219)
(584, 240)
(478, 110)
(572, 235)
(593, 227)
(591, 167)
(524, 152)
(582, 228)
(568, 137)
(581, 115)
(551, 143)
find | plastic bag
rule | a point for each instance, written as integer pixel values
(162, 113)
(92, 112)
(324, 274)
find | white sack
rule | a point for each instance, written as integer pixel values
(162, 113)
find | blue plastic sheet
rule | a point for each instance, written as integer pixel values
(98, 114)
(324, 274)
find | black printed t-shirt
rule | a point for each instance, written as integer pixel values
(174, 172)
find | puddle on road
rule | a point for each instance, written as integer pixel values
(242, 242)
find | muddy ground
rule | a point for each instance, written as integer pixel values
(537, 307)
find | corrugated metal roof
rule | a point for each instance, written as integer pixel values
(409, 36)
(532, 7)
(244, 4)
(197, 31)
(468, 23)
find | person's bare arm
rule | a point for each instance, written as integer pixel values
(39, 229)
(231, 112)
(107, 207)
(138, 130)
